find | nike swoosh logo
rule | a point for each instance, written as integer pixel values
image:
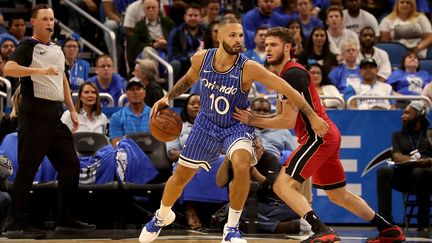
(42, 52)
(207, 71)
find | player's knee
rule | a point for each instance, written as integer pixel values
(337, 196)
(282, 183)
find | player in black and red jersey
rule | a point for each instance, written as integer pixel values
(316, 156)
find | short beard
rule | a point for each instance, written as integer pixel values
(409, 126)
(279, 59)
(228, 49)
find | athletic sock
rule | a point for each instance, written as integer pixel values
(380, 222)
(233, 217)
(163, 211)
(314, 221)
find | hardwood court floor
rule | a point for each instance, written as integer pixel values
(348, 235)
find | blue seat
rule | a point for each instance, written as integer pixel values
(395, 50)
(426, 65)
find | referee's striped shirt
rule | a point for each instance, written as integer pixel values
(32, 53)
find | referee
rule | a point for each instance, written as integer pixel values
(40, 64)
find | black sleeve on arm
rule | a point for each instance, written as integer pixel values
(23, 54)
(396, 146)
(298, 79)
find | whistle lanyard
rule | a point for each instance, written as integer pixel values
(418, 140)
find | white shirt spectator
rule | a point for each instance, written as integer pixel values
(97, 125)
(382, 59)
(409, 32)
(364, 19)
(377, 89)
(335, 42)
(134, 13)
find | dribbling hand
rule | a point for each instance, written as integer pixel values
(163, 102)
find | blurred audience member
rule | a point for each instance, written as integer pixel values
(212, 12)
(337, 33)
(258, 54)
(146, 72)
(356, 19)
(17, 27)
(294, 26)
(210, 36)
(408, 27)
(5, 198)
(106, 80)
(133, 118)
(307, 20)
(347, 72)
(369, 86)
(410, 79)
(318, 51)
(324, 86)
(90, 116)
(263, 15)
(368, 49)
(9, 123)
(185, 40)
(77, 69)
(152, 31)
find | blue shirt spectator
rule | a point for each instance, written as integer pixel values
(106, 80)
(342, 76)
(407, 83)
(133, 118)
(77, 69)
(263, 15)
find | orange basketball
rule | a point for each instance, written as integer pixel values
(166, 125)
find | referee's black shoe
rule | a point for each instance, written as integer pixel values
(74, 227)
(25, 232)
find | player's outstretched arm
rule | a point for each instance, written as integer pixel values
(286, 117)
(15, 70)
(254, 71)
(183, 84)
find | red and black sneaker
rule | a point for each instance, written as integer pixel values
(326, 236)
(393, 234)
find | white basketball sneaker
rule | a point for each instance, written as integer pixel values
(152, 229)
(232, 235)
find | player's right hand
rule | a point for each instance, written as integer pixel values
(50, 71)
(319, 125)
(163, 102)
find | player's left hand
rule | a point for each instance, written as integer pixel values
(243, 116)
(75, 121)
(319, 126)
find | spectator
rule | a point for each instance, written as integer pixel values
(134, 13)
(7, 47)
(369, 86)
(287, 10)
(318, 51)
(188, 114)
(258, 54)
(368, 49)
(185, 40)
(348, 72)
(409, 80)
(177, 11)
(324, 86)
(17, 27)
(210, 36)
(275, 141)
(412, 145)
(294, 26)
(263, 15)
(147, 73)
(408, 27)
(356, 19)
(212, 10)
(106, 80)
(336, 32)
(77, 69)
(152, 31)
(133, 118)
(5, 198)
(307, 20)
(9, 123)
(90, 117)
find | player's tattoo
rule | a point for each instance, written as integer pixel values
(307, 110)
(251, 117)
(179, 88)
